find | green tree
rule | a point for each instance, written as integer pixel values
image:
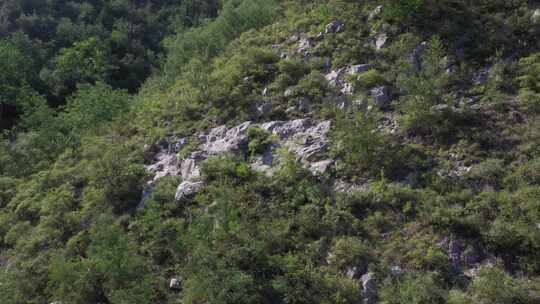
(16, 74)
(85, 62)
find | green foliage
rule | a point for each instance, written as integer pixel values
(448, 164)
(112, 271)
(421, 289)
(370, 79)
(16, 76)
(259, 141)
(495, 286)
(529, 83)
(85, 62)
(402, 9)
(92, 106)
(236, 17)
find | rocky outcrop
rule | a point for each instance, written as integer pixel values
(375, 12)
(369, 288)
(381, 41)
(187, 189)
(536, 16)
(417, 56)
(175, 284)
(334, 27)
(382, 96)
(304, 138)
(337, 78)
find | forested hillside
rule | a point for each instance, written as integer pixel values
(270, 151)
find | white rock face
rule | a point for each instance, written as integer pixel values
(369, 286)
(334, 27)
(166, 165)
(304, 138)
(375, 12)
(187, 189)
(380, 41)
(175, 284)
(358, 69)
(536, 16)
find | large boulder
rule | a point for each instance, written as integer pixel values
(221, 140)
(187, 189)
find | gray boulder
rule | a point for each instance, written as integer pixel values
(305, 45)
(417, 56)
(536, 16)
(293, 39)
(262, 109)
(166, 165)
(334, 77)
(334, 27)
(481, 77)
(358, 69)
(382, 96)
(175, 284)
(375, 12)
(348, 89)
(221, 140)
(381, 41)
(369, 288)
(187, 189)
(322, 166)
(190, 168)
(360, 105)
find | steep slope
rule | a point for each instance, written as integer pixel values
(293, 152)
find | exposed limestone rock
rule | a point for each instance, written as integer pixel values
(382, 96)
(166, 165)
(334, 27)
(380, 41)
(358, 69)
(369, 288)
(536, 16)
(473, 272)
(322, 166)
(348, 89)
(349, 188)
(306, 140)
(220, 140)
(352, 273)
(305, 45)
(417, 56)
(175, 284)
(288, 92)
(375, 12)
(481, 77)
(319, 36)
(360, 105)
(293, 39)
(397, 271)
(336, 79)
(187, 189)
(333, 77)
(262, 109)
